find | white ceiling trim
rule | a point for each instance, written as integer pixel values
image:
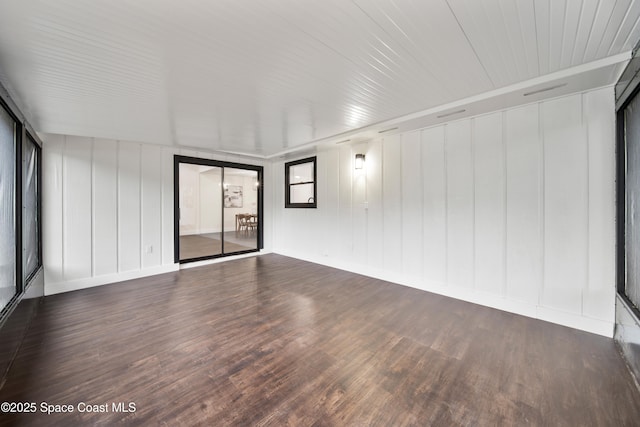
(596, 74)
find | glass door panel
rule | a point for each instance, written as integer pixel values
(200, 211)
(240, 210)
(8, 257)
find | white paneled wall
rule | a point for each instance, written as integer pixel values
(460, 204)
(391, 203)
(105, 207)
(524, 220)
(489, 204)
(513, 209)
(434, 210)
(108, 210)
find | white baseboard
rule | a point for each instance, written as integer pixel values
(89, 282)
(572, 320)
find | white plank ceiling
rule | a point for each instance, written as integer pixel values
(264, 77)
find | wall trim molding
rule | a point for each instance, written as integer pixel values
(90, 282)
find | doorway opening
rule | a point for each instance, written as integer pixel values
(218, 209)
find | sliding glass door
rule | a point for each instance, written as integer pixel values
(240, 209)
(200, 211)
(218, 208)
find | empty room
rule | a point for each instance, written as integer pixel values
(329, 213)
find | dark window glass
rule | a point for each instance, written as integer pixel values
(632, 200)
(7, 208)
(30, 208)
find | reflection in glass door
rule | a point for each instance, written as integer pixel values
(240, 210)
(218, 206)
(200, 213)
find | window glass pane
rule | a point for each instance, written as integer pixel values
(301, 173)
(30, 207)
(302, 193)
(300, 185)
(632, 226)
(7, 209)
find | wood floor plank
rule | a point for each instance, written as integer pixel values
(273, 341)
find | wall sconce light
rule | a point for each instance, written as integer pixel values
(359, 161)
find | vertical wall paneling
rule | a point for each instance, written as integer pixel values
(434, 238)
(76, 205)
(167, 206)
(599, 292)
(151, 177)
(392, 202)
(320, 248)
(329, 205)
(489, 203)
(513, 209)
(523, 233)
(412, 203)
(129, 218)
(52, 241)
(303, 221)
(105, 207)
(345, 236)
(460, 233)
(359, 213)
(565, 204)
(375, 224)
(268, 206)
(278, 202)
(108, 211)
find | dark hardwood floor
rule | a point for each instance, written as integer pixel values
(270, 340)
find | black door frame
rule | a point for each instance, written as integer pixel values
(177, 159)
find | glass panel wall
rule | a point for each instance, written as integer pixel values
(632, 202)
(30, 208)
(8, 281)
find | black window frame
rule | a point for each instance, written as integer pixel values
(288, 184)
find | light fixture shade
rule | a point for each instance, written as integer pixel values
(359, 161)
